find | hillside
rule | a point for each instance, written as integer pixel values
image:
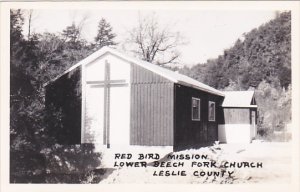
(260, 62)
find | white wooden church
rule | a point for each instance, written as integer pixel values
(112, 99)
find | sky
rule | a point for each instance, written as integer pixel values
(206, 32)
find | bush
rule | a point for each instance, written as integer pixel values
(71, 164)
(71, 159)
(56, 164)
(270, 135)
(27, 166)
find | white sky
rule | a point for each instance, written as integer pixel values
(208, 33)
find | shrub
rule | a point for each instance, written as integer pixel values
(56, 164)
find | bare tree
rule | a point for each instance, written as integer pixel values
(29, 21)
(154, 43)
(31, 15)
(73, 34)
(80, 21)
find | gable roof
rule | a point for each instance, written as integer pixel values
(238, 99)
(166, 73)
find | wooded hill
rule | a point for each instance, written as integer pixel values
(260, 62)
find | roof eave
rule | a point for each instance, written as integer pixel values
(106, 50)
(239, 106)
(200, 88)
(84, 61)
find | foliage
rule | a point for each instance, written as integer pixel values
(72, 36)
(57, 164)
(70, 163)
(279, 99)
(71, 158)
(22, 88)
(264, 54)
(105, 36)
(33, 62)
(26, 108)
(260, 62)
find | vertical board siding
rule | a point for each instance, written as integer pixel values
(63, 107)
(189, 133)
(169, 108)
(237, 115)
(151, 118)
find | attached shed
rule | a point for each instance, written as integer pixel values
(115, 100)
(239, 117)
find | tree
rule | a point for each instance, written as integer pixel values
(72, 36)
(20, 80)
(30, 16)
(75, 47)
(262, 61)
(16, 24)
(153, 43)
(33, 61)
(105, 36)
(51, 63)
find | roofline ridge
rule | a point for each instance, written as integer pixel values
(144, 64)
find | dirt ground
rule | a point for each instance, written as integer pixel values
(275, 158)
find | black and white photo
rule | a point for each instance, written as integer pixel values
(139, 93)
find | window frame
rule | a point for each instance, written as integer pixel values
(214, 119)
(199, 109)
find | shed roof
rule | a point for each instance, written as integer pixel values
(238, 99)
(168, 74)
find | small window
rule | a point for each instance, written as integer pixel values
(195, 109)
(211, 111)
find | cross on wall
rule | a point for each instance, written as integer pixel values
(107, 84)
